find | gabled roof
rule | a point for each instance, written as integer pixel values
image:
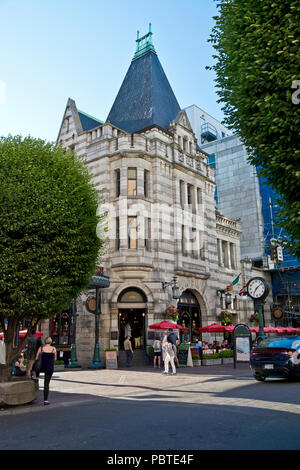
(88, 122)
(145, 97)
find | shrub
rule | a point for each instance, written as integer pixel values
(211, 356)
(226, 353)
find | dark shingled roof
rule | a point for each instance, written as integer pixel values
(145, 97)
(88, 122)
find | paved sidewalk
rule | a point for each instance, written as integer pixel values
(70, 387)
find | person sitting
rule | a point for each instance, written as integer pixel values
(199, 348)
(20, 367)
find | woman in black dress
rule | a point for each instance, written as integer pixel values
(49, 355)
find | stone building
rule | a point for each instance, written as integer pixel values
(158, 191)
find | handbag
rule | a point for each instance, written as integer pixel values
(37, 366)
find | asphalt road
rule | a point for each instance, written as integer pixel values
(210, 413)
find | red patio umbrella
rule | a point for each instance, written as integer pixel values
(229, 328)
(290, 329)
(22, 334)
(254, 329)
(279, 329)
(164, 325)
(270, 329)
(213, 328)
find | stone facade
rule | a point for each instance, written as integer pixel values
(167, 213)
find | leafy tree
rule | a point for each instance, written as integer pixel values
(257, 74)
(48, 240)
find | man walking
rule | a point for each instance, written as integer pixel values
(33, 344)
(128, 350)
(175, 341)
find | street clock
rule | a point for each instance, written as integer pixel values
(258, 288)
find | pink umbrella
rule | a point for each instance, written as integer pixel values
(254, 329)
(164, 325)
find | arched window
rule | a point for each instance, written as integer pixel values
(189, 317)
(132, 295)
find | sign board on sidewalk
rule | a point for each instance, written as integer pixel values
(241, 343)
(182, 354)
(111, 360)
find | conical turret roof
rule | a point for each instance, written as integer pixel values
(145, 97)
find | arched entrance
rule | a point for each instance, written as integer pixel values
(132, 309)
(189, 317)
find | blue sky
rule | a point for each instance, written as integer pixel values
(82, 49)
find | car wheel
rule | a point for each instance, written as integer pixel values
(260, 378)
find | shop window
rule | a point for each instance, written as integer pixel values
(60, 328)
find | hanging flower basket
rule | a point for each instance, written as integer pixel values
(172, 313)
(226, 318)
(254, 319)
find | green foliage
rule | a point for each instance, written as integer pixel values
(211, 356)
(226, 353)
(48, 241)
(257, 61)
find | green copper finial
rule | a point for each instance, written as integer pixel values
(144, 44)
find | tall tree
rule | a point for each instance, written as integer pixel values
(48, 240)
(258, 78)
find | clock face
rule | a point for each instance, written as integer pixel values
(256, 288)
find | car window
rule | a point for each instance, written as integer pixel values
(296, 344)
(280, 342)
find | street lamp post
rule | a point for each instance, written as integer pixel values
(73, 356)
(98, 281)
(97, 364)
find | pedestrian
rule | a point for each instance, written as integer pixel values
(157, 351)
(127, 329)
(199, 347)
(33, 344)
(20, 367)
(2, 351)
(163, 345)
(128, 350)
(175, 341)
(170, 355)
(49, 356)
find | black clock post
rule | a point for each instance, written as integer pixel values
(258, 289)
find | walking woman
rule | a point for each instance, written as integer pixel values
(49, 355)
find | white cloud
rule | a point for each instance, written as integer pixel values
(2, 92)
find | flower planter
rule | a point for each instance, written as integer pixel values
(196, 362)
(211, 362)
(227, 360)
(18, 391)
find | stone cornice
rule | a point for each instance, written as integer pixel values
(189, 273)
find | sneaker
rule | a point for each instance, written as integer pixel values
(165, 373)
(46, 403)
(173, 373)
